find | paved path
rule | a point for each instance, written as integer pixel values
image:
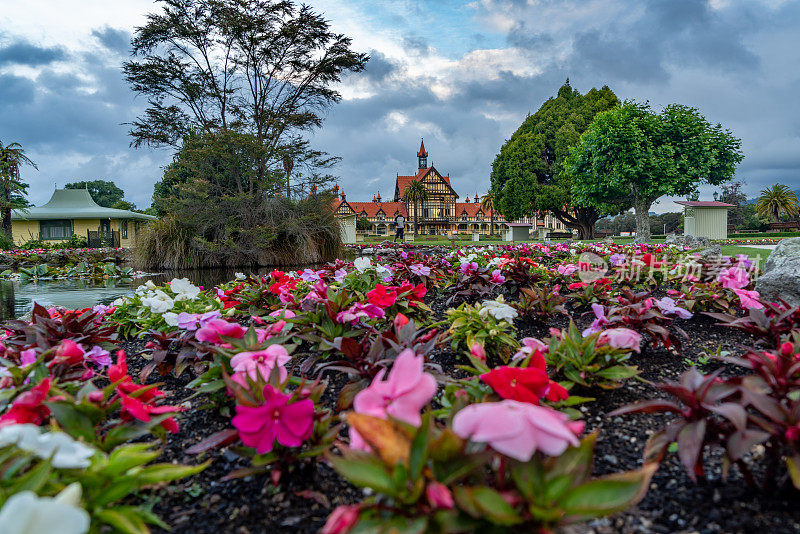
(764, 247)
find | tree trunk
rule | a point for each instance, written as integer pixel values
(491, 223)
(642, 208)
(7, 222)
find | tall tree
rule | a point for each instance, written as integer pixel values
(12, 188)
(487, 204)
(416, 193)
(104, 192)
(632, 155)
(263, 68)
(776, 202)
(526, 175)
(732, 194)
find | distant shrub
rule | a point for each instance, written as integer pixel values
(6, 243)
(238, 231)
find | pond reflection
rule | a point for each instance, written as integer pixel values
(17, 298)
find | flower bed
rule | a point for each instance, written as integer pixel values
(13, 259)
(514, 388)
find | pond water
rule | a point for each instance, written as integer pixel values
(17, 298)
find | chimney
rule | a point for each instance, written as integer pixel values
(379, 196)
(476, 198)
(342, 195)
(467, 199)
(336, 189)
(374, 199)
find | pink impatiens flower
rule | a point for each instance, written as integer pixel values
(622, 338)
(277, 419)
(262, 362)
(749, 299)
(406, 390)
(215, 328)
(567, 269)
(517, 429)
(733, 278)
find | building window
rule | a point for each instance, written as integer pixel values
(123, 229)
(55, 229)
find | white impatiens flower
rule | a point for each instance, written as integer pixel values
(158, 302)
(498, 309)
(240, 276)
(64, 451)
(27, 513)
(184, 289)
(383, 271)
(362, 264)
(171, 318)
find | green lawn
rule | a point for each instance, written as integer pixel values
(754, 253)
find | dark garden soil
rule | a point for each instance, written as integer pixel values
(302, 499)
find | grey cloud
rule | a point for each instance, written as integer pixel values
(22, 52)
(113, 39)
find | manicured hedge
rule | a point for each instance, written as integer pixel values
(764, 235)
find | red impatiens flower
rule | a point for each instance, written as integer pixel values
(381, 296)
(524, 384)
(29, 407)
(138, 401)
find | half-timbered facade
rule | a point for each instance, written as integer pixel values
(440, 214)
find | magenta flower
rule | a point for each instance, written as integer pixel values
(600, 320)
(517, 429)
(215, 328)
(277, 419)
(360, 311)
(283, 314)
(622, 338)
(406, 390)
(468, 267)
(617, 259)
(497, 278)
(187, 321)
(749, 299)
(733, 278)
(262, 362)
(309, 275)
(339, 275)
(668, 306)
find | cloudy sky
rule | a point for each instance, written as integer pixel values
(461, 74)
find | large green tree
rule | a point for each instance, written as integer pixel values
(633, 155)
(12, 188)
(266, 69)
(104, 192)
(526, 175)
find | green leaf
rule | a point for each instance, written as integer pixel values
(607, 495)
(793, 465)
(485, 502)
(364, 470)
(618, 372)
(34, 479)
(418, 453)
(73, 421)
(125, 457)
(125, 519)
(155, 474)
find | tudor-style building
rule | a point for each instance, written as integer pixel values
(440, 214)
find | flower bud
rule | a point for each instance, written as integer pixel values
(478, 351)
(439, 495)
(341, 520)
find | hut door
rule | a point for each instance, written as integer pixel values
(105, 226)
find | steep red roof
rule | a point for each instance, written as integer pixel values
(471, 208)
(422, 152)
(404, 181)
(372, 208)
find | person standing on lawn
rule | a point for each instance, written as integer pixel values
(400, 223)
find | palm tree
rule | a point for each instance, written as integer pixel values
(487, 204)
(776, 201)
(12, 189)
(415, 193)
